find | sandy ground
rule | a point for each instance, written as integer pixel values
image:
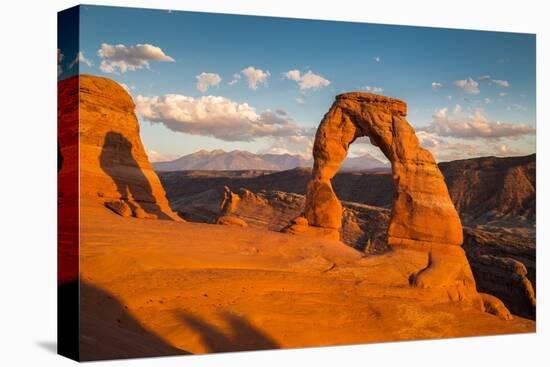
(152, 287)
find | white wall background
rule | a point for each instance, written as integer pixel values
(28, 181)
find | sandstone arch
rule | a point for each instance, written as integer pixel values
(422, 211)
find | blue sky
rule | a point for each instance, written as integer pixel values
(469, 93)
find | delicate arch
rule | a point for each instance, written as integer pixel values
(422, 210)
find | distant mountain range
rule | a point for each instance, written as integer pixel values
(220, 160)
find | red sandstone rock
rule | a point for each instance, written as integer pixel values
(120, 207)
(495, 306)
(231, 221)
(111, 159)
(423, 217)
(422, 209)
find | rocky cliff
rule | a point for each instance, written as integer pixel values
(483, 189)
(111, 159)
(490, 188)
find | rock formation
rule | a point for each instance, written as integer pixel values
(120, 207)
(490, 188)
(422, 210)
(494, 306)
(423, 217)
(231, 221)
(112, 163)
(504, 265)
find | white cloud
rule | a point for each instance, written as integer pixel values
(476, 126)
(300, 100)
(376, 58)
(236, 78)
(449, 97)
(503, 94)
(487, 100)
(446, 149)
(501, 83)
(255, 76)
(371, 89)
(505, 150)
(308, 80)
(516, 107)
(215, 116)
(80, 58)
(436, 85)
(60, 58)
(458, 109)
(129, 58)
(155, 156)
(293, 75)
(205, 80)
(469, 85)
(484, 77)
(295, 144)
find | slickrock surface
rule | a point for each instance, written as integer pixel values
(164, 287)
(113, 163)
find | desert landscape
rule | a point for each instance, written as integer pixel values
(230, 251)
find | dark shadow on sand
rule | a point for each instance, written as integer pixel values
(242, 337)
(107, 330)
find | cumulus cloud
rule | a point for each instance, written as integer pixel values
(60, 58)
(516, 107)
(129, 58)
(236, 78)
(505, 150)
(80, 58)
(445, 149)
(458, 109)
(371, 89)
(205, 80)
(155, 156)
(501, 83)
(476, 126)
(484, 77)
(300, 100)
(469, 85)
(376, 58)
(295, 144)
(255, 76)
(436, 85)
(215, 116)
(308, 80)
